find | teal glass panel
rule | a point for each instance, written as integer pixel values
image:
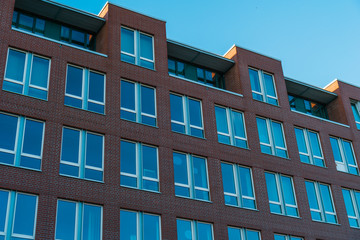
(326, 198)
(128, 95)
(195, 113)
(263, 131)
(128, 223)
(300, 139)
(269, 85)
(128, 157)
(8, 129)
(65, 220)
(310, 190)
(146, 47)
(255, 81)
(74, 81)
(228, 178)
(245, 182)
(349, 154)
(336, 149)
(4, 199)
(184, 230)
(234, 234)
(272, 190)
(15, 66)
(70, 145)
(94, 150)
(221, 120)
(127, 41)
(149, 162)
(288, 191)
(279, 237)
(315, 144)
(24, 216)
(176, 108)
(92, 221)
(238, 123)
(147, 100)
(200, 172)
(278, 134)
(96, 87)
(40, 72)
(33, 136)
(348, 203)
(180, 168)
(151, 227)
(252, 235)
(204, 231)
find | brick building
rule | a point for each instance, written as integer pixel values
(108, 130)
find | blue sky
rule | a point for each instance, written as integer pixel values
(316, 40)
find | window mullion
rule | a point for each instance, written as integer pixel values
(229, 117)
(189, 159)
(271, 136)
(79, 220)
(186, 114)
(139, 225)
(280, 193)
(320, 200)
(137, 89)
(139, 165)
(237, 179)
(260, 75)
(356, 207)
(82, 153)
(85, 90)
(308, 145)
(19, 140)
(26, 78)
(137, 47)
(10, 214)
(342, 153)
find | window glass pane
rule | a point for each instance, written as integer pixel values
(255, 81)
(271, 187)
(326, 198)
(146, 48)
(171, 66)
(92, 222)
(70, 145)
(33, 137)
(336, 149)
(96, 86)
(4, 197)
(278, 134)
(176, 105)
(180, 168)
(65, 220)
(15, 65)
(39, 72)
(8, 127)
(288, 190)
(40, 25)
(128, 157)
(315, 144)
(269, 85)
(180, 69)
(228, 178)
(151, 227)
(245, 182)
(300, 139)
(147, 100)
(65, 33)
(252, 235)
(355, 112)
(349, 153)
(78, 37)
(310, 190)
(234, 233)
(238, 123)
(183, 230)
(200, 174)
(149, 155)
(74, 81)
(128, 222)
(204, 231)
(348, 203)
(24, 216)
(262, 130)
(195, 113)
(127, 41)
(128, 95)
(94, 150)
(221, 120)
(279, 237)
(26, 21)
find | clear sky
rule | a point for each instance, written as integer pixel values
(316, 40)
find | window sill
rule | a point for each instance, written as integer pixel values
(139, 123)
(85, 179)
(335, 224)
(203, 138)
(321, 119)
(309, 164)
(59, 42)
(21, 167)
(283, 215)
(251, 209)
(145, 190)
(203, 84)
(277, 156)
(132, 64)
(278, 106)
(248, 149)
(100, 114)
(194, 199)
(351, 174)
(25, 95)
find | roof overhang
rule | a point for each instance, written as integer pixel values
(61, 13)
(308, 91)
(198, 57)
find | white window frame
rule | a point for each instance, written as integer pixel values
(138, 108)
(344, 165)
(229, 121)
(81, 164)
(263, 92)
(357, 107)
(78, 219)
(309, 148)
(27, 75)
(186, 115)
(139, 166)
(243, 232)
(281, 195)
(190, 177)
(194, 231)
(85, 75)
(355, 206)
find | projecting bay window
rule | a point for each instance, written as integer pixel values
(85, 89)
(355, 106)
(27, 74)
(139, 225)
(281, 194)
(191, 178)
(139, 164)
(286, 237)
(272, 138)
(18, 213)
(352, 203)
(344, 155)
(321, 202)
(238, 186)
(82, 154)
(28, 23)
(138, 103)
(137, 48)
(194, 230)
(309, 146)
(78, 221)
(186, 115)
(263, 86)
(243, 234)
(21, 141)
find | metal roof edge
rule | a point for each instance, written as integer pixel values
(309, 85)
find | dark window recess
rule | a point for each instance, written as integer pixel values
(195, 73)
(53, 30)
(307, 106)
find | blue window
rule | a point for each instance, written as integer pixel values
(286, 237)
(78, 221)
(321, 202)
(139, 226)
(344, 155)
(272, 138)
(137, 48)
(263, 86)
(27, 74)
(191, 179)
(82, 154)
(21, 141)
(193, 230)
(85, 89)
(139, 166)
(309, 146)
(17, 215)
(281, 194)
(355, 107)
(352, 203)
(243, 234)
(230, 127)
(186, 115)
(238, 186)
(138, 103)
